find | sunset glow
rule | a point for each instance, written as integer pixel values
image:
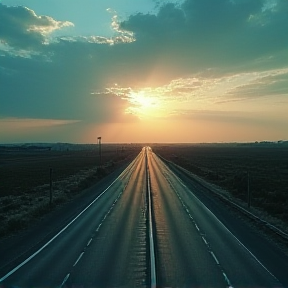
(212, 66)
(143, 105)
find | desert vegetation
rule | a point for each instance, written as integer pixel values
(228, 166)
(25, 178)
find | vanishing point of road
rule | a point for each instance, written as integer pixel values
(150, 227)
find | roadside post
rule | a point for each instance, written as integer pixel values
(100, 150)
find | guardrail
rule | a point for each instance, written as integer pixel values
(208, 186)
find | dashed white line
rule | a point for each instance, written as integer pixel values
(65, 280)
(215, 258)
(227, 279)
(98, 227)
(73, 220)
(204, 240)
(89, 242)
(78, 259)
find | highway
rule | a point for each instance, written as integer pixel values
(147, 228)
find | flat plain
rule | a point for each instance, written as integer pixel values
(25, 178)
(232, 166)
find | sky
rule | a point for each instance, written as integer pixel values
(143, 71)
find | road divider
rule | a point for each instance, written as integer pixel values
(130, 167)
(151, 237)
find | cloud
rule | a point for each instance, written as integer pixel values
(46, 90)
(264, 84)
(208, 34)
(184, 52)
(28, 123)
(237, 118)
(22, 28)
(199, 90)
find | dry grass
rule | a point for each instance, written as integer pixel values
(226, 166)
(25, 189)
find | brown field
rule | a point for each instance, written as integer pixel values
(25, 179)
(227, 166)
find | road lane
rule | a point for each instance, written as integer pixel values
(182, 259)
(107, 244)
(117, 256)
(235, 262)
(256, 241)
(50, 266)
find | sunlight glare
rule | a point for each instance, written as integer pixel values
(143, 105)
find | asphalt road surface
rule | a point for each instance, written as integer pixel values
(107, 244)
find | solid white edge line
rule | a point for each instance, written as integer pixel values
(63, 229)
(240, 243)
(152, 252)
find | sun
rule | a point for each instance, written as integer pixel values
(142, 100)
(143, 105)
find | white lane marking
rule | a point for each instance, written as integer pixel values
(215, 258)
(80, 256)
(185, 207)
(151, 238)
(98, 227)
(72, 221)
(204, 240)
(183, 184)
(89, 242)
(239, 242)
(227, 279)
(65, 280)
(222, 224)
(115, 201)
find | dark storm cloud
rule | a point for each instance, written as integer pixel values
(178, 41)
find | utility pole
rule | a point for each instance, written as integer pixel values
(100, 150)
